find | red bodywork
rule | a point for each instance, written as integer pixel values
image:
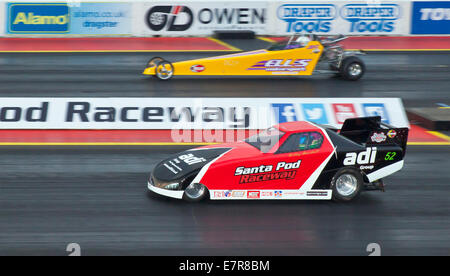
(221, 173)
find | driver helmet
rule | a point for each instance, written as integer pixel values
(303, 41)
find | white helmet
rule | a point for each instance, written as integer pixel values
(303, 40)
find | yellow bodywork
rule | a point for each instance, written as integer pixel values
(299, 61)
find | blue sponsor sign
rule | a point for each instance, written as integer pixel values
(315, 113)
(376, 109)
(101, 18)
(310, 18)
(44, 18)
(364, 18)
(284, 112)
(430, 18)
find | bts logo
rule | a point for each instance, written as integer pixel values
(284, 113)
(174, 18)
(343, 112)
(376, 109)
(315, 113)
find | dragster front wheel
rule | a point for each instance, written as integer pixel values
(164, 70)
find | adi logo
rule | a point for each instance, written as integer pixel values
(38, 18)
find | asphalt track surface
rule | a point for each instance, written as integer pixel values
(420, 79)
(97, 197)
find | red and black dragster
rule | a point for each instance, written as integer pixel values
(295, 160)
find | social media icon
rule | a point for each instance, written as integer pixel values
(343, 112)
(376, 109)
(284, 112)
(315, 113)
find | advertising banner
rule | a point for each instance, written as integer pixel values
(342, 17)
(62, 18)
(430, 17)
(199, 17)
(190, 113)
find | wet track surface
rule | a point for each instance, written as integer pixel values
(421, 79)
(97, 197)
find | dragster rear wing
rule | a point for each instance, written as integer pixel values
(371, 131)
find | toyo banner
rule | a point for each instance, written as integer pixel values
(69, 18)
(430, 17)
(190, 113)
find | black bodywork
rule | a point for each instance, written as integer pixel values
(355, 137)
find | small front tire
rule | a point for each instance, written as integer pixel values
(164, 70)
(195, 192)
(347, 184)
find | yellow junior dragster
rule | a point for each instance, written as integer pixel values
(297, 56)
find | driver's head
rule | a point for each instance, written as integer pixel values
(303, 40)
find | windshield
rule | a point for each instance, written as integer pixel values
(265, 140)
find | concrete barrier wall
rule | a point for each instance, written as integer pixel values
(202, 18)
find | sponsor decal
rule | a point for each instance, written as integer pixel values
(219, 194)
(376, 109)
(266, 194)
(238, 194)
(287, 175)
(309, 18)
(366, 167)
(197, 68)
(377, 18)
(266, 173)
(41, 18)
(228, 194)
(281, 65)
(392, 133)
(316, 193)
(362, 158)
(378, 137)
(430, 17)
(190, 159)
(315, 113)
(170, 18)
(343, 112)
(284, 113)
(278, 194)
(253, 194)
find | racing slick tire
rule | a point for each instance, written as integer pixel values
(164, 70)
(195, 192)
(352, 68)
(347, 184)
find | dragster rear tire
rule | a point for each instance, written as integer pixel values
(352, 68)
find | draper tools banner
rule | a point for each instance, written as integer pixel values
(60, 18)
(190, 113)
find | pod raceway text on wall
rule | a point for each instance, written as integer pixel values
(190, 113)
